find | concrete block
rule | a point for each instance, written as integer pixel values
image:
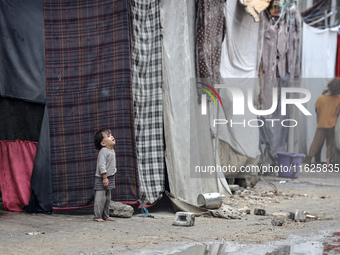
(184, 219)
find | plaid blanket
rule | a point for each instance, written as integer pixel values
(147, 97)
(88, 79)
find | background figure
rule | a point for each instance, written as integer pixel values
(327, 110)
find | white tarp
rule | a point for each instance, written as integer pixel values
(239, 59)
(187, 135)
(319, 48)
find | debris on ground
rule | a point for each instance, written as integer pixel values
(278, 221)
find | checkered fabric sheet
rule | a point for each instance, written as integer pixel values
(89, 87)
(147, 97)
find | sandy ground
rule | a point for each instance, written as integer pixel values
(74, 232)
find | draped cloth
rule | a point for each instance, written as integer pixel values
(88, 86)
(187, 134)
(16, 166)
(239, 61)
(147, 98)
(210, 23)
(22, 111)
(337, 64)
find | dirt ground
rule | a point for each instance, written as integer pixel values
(74, 232)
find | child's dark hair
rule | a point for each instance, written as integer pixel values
(98, 138)
(334, 86)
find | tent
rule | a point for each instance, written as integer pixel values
(71, 68)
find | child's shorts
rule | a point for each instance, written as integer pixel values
(98, 183)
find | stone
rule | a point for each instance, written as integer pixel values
(234, 187)
(299, 216)
(245, 210)
(184, 219)
(238, 192)
(226, 212)
(285, 215)
(278, 221)
(258, 211)
(118, 209)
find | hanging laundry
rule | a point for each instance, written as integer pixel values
(294, 42)
(210, 23)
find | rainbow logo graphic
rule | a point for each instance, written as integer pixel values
(204, 97)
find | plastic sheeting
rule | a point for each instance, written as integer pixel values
(187, 136)
(22, 50)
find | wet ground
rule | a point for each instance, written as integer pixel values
(74, 232)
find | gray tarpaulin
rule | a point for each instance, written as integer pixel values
(187, 136)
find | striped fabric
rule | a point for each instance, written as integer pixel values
(88, 79)
(98, 183)
(147, 97)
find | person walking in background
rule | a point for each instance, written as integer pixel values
(105, 174)
(327, 110)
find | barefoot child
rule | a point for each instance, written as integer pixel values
(105, 174)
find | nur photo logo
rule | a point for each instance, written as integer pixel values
(204, 97)
(239, 98)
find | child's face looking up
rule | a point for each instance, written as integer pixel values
(108, 140)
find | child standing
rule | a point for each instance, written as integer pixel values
(105, 174)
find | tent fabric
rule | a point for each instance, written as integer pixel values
(27, 121)
(239, 66)
(210, 24)
(147, 98)
(318, 63)
(23, 95)
(22, 52)
(88, 52)
(20, 120)
(41, 196)
(187, 135)
(16, 166)
(337, 64)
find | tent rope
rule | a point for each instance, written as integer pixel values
(145, 211)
